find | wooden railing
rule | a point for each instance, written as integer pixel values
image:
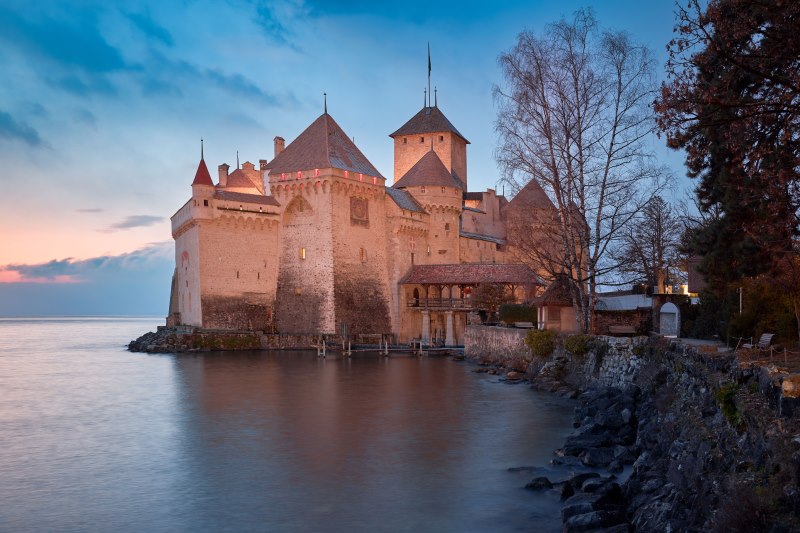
(441, 303)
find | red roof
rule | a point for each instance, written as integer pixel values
(322, 145)
(428, 120)
(558, 294)
(429, 170)
(202, 177)
(240, 179)
(221, 194)
(471, 274)
(531, 196)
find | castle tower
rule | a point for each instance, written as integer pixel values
(414, 138)
(437, 189)
(333, 267)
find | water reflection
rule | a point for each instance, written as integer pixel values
(93, 438)
(295, 442)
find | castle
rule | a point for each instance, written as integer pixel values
(315, 242)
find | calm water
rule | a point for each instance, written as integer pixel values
(95, 438)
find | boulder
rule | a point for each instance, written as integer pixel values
(597, 456)
(539, 483)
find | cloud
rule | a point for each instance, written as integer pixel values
(90, 210)
(74, 41)
(86, 270)
(82, 114)
(150, 28)
(136, 221)
(14, 130)
(134, 283)
(83, 85)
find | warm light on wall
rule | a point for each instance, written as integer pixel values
(299, 175)
(361, 177)
(316, 172)
(374, 180)
(302, 253)
(283, 176)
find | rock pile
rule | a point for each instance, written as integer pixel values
(606, 428)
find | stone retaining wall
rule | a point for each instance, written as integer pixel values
(494, 343)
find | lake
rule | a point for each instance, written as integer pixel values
(93, 437)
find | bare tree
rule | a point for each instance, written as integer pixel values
(573, 117)
(649, 252)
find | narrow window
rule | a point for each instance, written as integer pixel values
(422, 189)
(447, 226)
(405, 140)
(421, 140)
(259, 275)
(441, 138)
(302, 253)
(205, 203)
(442, 190)
(412, 258)
(237, 274)
(362, 253)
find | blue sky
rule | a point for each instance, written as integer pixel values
(103, 105)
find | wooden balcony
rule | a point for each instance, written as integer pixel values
(462, 304)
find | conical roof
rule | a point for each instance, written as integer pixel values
(531, 196)
(322, 145)
(429, 170)
(428, 120)
(202, 177)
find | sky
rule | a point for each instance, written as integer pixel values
(104, 103)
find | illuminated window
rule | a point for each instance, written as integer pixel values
(362, 253)
(302, 253)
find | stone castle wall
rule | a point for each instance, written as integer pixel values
(304, 301)
(451, 149)
(239, 270)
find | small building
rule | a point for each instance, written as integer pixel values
(555, 310)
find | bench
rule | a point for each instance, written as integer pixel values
(763, 342)
(621, 330)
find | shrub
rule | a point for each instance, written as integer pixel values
(541, 342)
(517, 313)
(578, 344)
(726, 398)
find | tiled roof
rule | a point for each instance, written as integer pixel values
(404, 200)
(558, 294)
(239, 178)
(531, 196)
(481, 237)
(428, 120)
(470, 274)
(429, 170)
(245, 198)
(322, 145)
(202, 177)
(473, 196)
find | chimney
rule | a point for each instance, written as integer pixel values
(280, 142)
(223, 174)
(262, 165)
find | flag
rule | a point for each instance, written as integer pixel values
(429, 59)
